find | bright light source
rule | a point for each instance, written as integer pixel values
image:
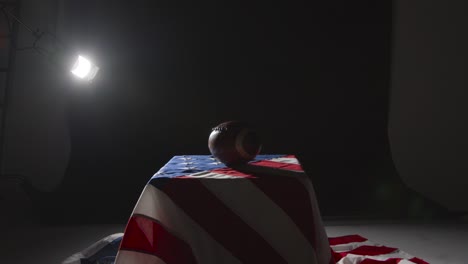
(84, 69)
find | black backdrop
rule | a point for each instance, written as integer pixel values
(313, 80)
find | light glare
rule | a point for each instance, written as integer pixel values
(84, 69)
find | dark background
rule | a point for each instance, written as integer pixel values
(314, 80)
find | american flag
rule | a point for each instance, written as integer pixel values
(197, 210)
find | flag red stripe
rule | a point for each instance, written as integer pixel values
(418, 261)
(278, 165)
(293, 198)
(219, 221)
(336, 256)
(332, 260)
(372, 250)
(149, 236)
(346, 239)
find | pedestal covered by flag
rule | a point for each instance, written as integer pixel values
(197, 210)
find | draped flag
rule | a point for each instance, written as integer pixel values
(197, 210)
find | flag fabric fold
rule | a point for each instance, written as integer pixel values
(355, 249)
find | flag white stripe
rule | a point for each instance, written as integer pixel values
(352, 245)
(286, 160)
(265, 217)
(352, 258)
(211, 175)
(405, 261)
(133, 257)
(156, 204)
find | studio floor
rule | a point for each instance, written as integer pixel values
(436, 243)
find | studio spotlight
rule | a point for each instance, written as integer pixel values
(84, 69)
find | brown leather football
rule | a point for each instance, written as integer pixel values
(234, 143)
